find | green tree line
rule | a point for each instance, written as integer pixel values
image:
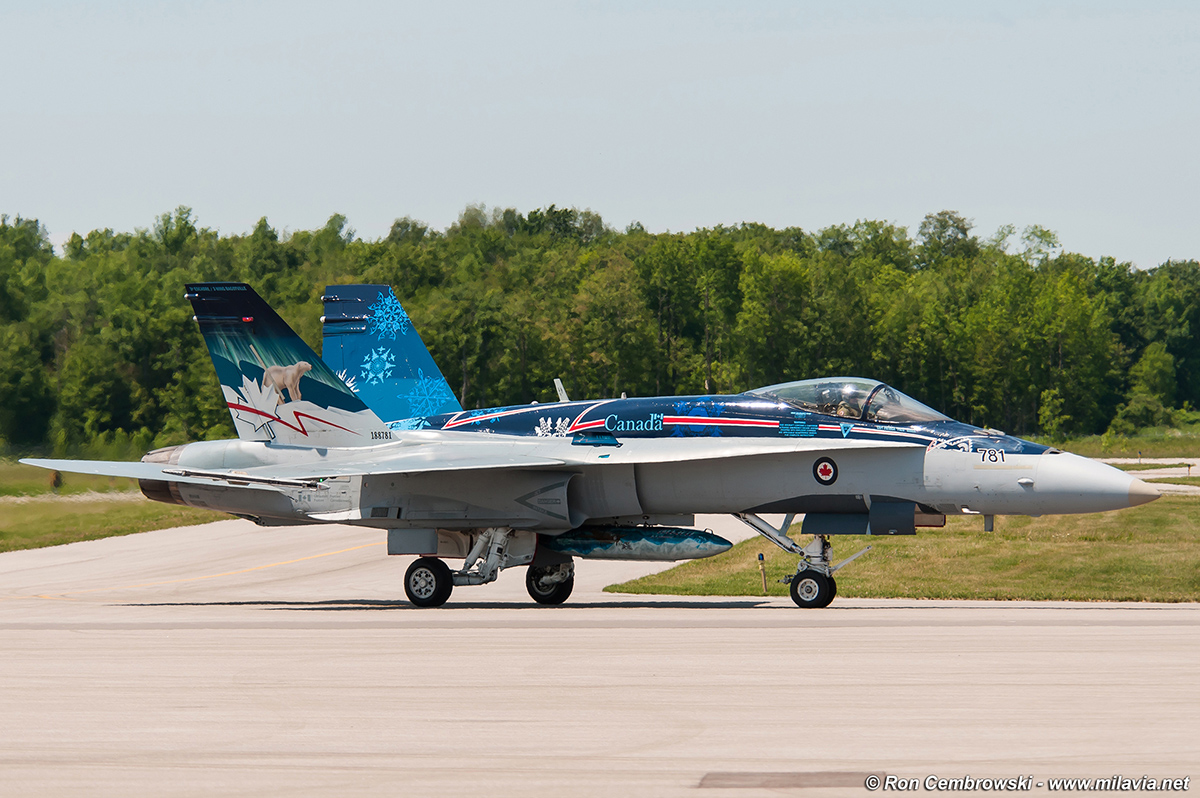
(98, 345)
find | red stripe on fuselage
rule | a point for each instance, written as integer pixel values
(709, 421)
(576, 426)
(586, 425)
(689, 421)
(458, 422)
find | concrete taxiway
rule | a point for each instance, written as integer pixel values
(1162, 467)
(229, 660)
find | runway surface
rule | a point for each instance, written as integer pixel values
(229, 660)
(1165, 467)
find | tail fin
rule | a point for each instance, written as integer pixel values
(276, 387)
(371, 343)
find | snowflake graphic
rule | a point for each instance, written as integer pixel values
(387, 317)
(377, 366)
(409, 423)
(349, 379)
(700, 411)
(427, 395)
(961, 443)
(549, 428)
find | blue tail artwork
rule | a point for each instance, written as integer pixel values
(370, 343)
(276, 387)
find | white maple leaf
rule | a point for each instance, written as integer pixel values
(265, 400)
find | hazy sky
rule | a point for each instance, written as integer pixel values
(1081, 117)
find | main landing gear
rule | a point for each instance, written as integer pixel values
(429, 581)
(813, 585)
(550, 584)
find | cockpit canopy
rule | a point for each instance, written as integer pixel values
(851, 397)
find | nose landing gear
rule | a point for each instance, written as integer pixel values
(812, 589)
(813, 585)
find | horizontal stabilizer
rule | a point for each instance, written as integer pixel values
(163, 473)
(114, 468)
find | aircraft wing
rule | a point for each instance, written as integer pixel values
(418, 459)
(676, 450)
(439, 451)
(414, 460)
(474, 452)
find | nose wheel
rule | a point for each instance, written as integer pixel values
(812, 586)
(812, 589)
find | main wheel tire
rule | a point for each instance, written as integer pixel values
(557, 593)
(832, 592)
(812, 589)
(428, 582)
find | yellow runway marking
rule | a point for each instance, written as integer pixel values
(62, 596)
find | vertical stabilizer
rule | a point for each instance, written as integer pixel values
(370, 343)
(276, 387)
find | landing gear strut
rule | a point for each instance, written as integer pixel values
(487, 557)
(429, 581)
(813, 585)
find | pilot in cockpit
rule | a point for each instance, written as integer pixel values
(851, 401)
(828, 400)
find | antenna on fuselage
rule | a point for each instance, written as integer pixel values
(562, 392)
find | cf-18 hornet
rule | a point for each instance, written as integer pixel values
(372, 436)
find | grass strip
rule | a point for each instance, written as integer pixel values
(51, 523)
(1159, 442)
(1150, 553)
(1147, 466)
(1176, 480)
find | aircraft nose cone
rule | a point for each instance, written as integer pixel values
(1068, 483)
(1142, 493)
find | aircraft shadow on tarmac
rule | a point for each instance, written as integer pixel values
(341, 605)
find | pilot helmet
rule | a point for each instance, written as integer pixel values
(827, 395)
(850, 402)
(852, 392)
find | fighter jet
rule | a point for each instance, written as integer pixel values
(541, 485)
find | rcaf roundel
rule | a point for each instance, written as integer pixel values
(825, 471)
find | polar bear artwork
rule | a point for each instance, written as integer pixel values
(281, 377)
